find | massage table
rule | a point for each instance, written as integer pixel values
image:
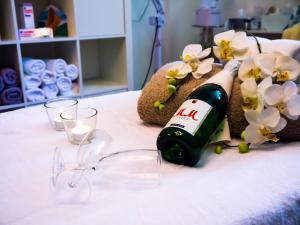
(260, 187)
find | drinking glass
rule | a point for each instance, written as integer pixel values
(97, 164)
(55, 107)
(80, 123)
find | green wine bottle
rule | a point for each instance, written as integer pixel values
(192, 126)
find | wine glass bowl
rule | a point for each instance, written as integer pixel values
(133, 168)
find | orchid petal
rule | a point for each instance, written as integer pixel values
(290, 116)
(204, 53)
(245, 66)
(182, 69)
(260, 104)
(293, 105)
(217, 51)
(172, 65)
(203, 67)
(289, 89)
(249, 88)
(286, 63)
(252, 117)
(280, 126)
(239, 41)
(270, 117)
(273, 94)
(252, 135)
(263, 85)
(241, 55)
(227, 35)
(193, 50)
(266, 62)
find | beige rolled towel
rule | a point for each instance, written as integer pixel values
(156, 89)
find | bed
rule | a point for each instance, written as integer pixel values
(261, 187)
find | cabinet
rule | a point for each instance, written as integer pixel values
(98, 43)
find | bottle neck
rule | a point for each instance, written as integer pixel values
(224, 79)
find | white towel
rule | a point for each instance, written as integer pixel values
(58, 75)
(64, 84)
(50, 90)
(32, 81)
(33, 66)
(48, 77)
(57, 66)
(72, 71)
(35, 95)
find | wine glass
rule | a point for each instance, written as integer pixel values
(132, 168)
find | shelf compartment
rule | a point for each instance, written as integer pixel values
(103, 65)
(39, 6)
(7, 28)
(66, 50)
(9, 58)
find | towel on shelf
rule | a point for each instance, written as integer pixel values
(32, 81)
(9, 76)
(57, 66)
(35, 95)
(50, 90)
(1, 84)
(71, 72)
(58, 75)
(33, 66)
(64, 84)
(48, 77)
(12, 95)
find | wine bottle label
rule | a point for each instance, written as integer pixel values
(190, 115)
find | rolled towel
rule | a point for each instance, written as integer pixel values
(33, 66)
(32, 81)
(60, 75)
(57, 66)
(64, 84)
(9, 76)
(35, 95)
(48, 77)
(12, 95)
(1, 84)
(72, 72)
(50, 91)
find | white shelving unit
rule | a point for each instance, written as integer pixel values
(99, 43)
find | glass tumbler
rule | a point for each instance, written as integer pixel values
(55, 107)
(79, 124)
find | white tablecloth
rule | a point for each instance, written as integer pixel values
(230, 188)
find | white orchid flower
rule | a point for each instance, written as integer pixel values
(263, 126)
(249, 69)
(284, 98)
(231, 45)
(279, 66)
(177, 70)
(193, 55)
(253, 94)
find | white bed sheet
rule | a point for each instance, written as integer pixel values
(230, 188)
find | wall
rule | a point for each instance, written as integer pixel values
(142, 38)
(177, 33)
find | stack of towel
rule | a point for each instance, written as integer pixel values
(10, 93)
(48, 78)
